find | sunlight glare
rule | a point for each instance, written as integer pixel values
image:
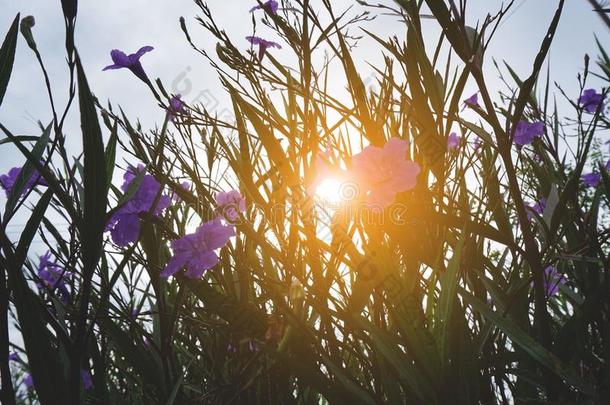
(329, 190)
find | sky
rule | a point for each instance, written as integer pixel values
(128, 25)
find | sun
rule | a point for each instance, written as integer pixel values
(329, 190)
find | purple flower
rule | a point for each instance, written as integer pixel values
(526, 132)
(591, 179)
(538, 208)
(270, 6)
(591, 101)
(472, 101)
(263, 45)
(231, 204)
(176, 107)
(196, 251)
(13, 357)
(131, 62)
(87, 380)
(478, 143)
(52, 276)
(453, 142)
(7, 181)
(124, 226)
(185, 185)
(28, 381)
(381, 173)
(552, 279)
(134, 313)
(608, 164)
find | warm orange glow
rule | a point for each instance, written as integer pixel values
(329, 190)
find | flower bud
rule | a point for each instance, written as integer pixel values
(26, 30)
(69, 7)
(476, 44)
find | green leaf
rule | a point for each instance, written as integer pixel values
(27, 171)
(372, 130)
(174, 392)
(94, 211)
(67, 201)
(551, 203)
(110, 155)
(129, 193)
(32, 226)
(525, 91)
(136, 355)
(449, 284)
(22, 138)
(408, 373)
(47, 364)
(7, 56)
(529, 345)
(94, 180)
(605, 181)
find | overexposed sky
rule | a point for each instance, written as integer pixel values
(128, 25)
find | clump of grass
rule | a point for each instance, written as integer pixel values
(443, 296)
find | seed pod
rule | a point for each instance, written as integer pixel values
(26, 30)
(69, 7)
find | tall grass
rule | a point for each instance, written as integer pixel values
(439, 298)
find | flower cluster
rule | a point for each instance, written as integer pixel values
(231, 204)
(377, 173)
(552, 280)
(28, 381)
(591, 179)
(197, 251)
(526, 132)
(478, 143)
(453, 141)
(132, 62)
(537, 208)
(124, 226)
(7, 181)
(270, 6)
(176, 107)
(53, 276)
(381, 173)
(591, 101)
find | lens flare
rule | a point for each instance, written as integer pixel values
(329, 190)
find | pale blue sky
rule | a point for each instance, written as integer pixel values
(127, 25)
